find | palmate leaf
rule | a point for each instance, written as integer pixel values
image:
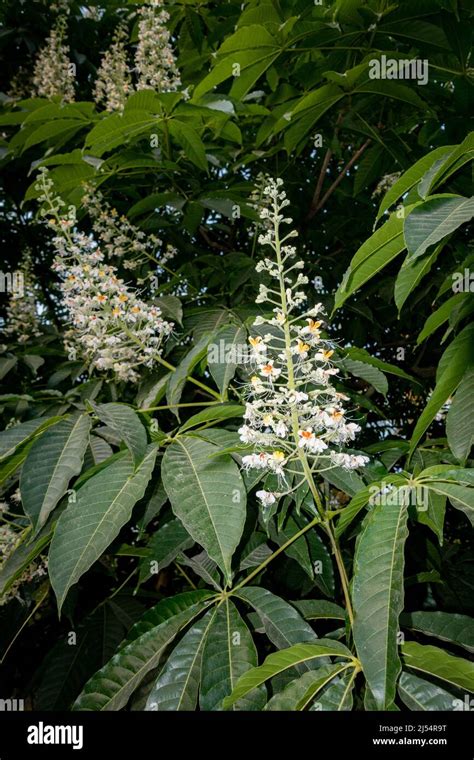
(126, 424)
(229, 652)
(411, 273)
(177, 686)
(54, 459)
(420, 695)
(377, 594)
(86, 528)
(437, 662)
(207, 495)
(284, 659)
(111, 688)
(447, 626)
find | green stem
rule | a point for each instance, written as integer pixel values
(276, 553)
(295, 426)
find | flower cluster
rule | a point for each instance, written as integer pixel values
(119, 238)
(21, 321)
(293, 412)
(113, 330)
(113, 83)
(154, 59)
(53, 72)
(8, 541)
(387, 181)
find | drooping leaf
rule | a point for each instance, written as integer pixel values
(419, 695)
(283, 625)
(86, 528)
(54, 459)
(447, 626)
(433, 220)
(229, 652)
(282, 660)
(299, 694)
(125, 423)
(377, 594)
(207, 495)
(177, 686)
(460, 419)
(14, 436)
(439, 663)
(111, 688)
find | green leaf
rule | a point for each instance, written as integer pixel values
(287, 658)
(419, 695)
(223, 355)
(438, 663)
(441, 315)
(362, 498)
(207, 495)
(85, 529)
(167, 543)
(178, 378)
(283, 625)
(166, 609)
(215, 413)
(377, 595)
(298, 694)
(229, 652)
(395, 90)
(126, 424)
(458, 156)
(319, 609)
(411, 273)
(431, 221)
(460, 496)
(336, 696)
(245, 55)
(52, 461)
(460, 419)
(191, 143)
(309, 551)
(379, 250)
(447, 626)
(14, 436)
(59, 128)
(177, 686)
(456, 359)
(117, 129)
(367, 372)
(111, 688)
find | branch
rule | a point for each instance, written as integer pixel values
(338, 180)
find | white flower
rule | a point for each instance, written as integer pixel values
(292, 407)
(112, 329)
(113, 83)
(54, 74)
(266, 498)
(154, 58)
